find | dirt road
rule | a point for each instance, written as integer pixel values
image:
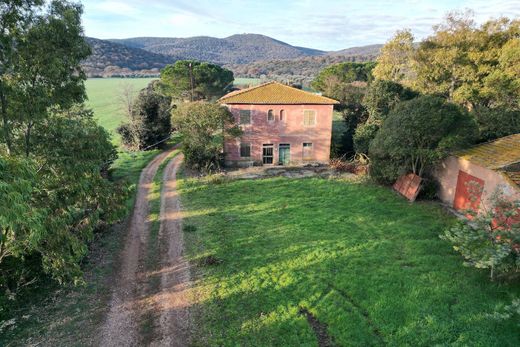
(151, 307)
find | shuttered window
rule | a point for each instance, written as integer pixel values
(282, 115)
(309, 117)
(245, 116)
(245, 150)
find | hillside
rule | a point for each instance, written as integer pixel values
(247, 55)
(236, 49)
(111, 59)
(300, 71)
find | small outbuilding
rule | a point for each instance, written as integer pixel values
(469, 177)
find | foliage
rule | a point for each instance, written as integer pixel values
(150, 122)
(63, 196)
(395, 61)
(417, 134)
(364, 134)
(192, 80)
(381, 96)
(490, 239)
(204, 126)
(347, 83)
(364, 262)
(511, 311)
(494, 123)
(332, 80)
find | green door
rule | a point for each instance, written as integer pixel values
(284, 154)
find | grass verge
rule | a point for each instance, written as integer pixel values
(364, 266)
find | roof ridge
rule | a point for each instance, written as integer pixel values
(242, 91)
(305, 94)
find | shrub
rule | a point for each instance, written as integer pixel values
(490, 239)
(416, 135)
(364, 134)
(204, 127)
(150, 121)
(496, 123)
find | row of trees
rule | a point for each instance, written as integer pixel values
(182, 100)
(460, 84)
(53, 156)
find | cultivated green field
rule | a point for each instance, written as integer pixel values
(104, 98)
(285, 262)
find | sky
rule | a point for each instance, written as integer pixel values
(320, 24)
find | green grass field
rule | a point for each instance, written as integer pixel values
(241, 81)
(103, 98)
(283, 262)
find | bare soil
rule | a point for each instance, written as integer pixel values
(131, 298)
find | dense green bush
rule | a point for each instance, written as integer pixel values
(490, 239)
(204, 127)
(53, 201)
(150, 121)
(416, 135)
(364, 134)
(496, 123)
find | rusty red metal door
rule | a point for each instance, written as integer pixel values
(468, 192)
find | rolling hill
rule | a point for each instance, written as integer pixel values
(111, 59)
(236, 49)
(247, 55)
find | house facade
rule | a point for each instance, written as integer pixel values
(281, 125)
(469, 178)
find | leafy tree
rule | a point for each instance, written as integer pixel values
(395, 63)
(462, 62)
(59, 196)
(494, 123)
(490, 239)
(335, 80)
(150, 121)
(417, 134)
(53, 155)
(380, 98)
(347, 83)
(204, 127)
(192, 80)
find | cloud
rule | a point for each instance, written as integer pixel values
(322, 24)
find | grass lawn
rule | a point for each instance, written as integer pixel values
(103, 95)
(285, 262)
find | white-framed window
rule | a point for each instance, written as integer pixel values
(270, 116)
(245, 150)
(307, 151)
(309, 118)
(245, 117)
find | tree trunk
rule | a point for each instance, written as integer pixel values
(5, 120)
(28, 138)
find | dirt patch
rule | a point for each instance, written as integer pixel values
(129, 296)
(319, 328)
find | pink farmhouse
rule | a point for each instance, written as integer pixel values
(281, 125)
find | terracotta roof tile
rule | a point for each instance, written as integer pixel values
(495, 154)
(277, 94)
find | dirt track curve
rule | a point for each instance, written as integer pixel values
(132, 299)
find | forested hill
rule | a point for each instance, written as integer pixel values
(111, 59)
(236, 49)
(247, 55)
